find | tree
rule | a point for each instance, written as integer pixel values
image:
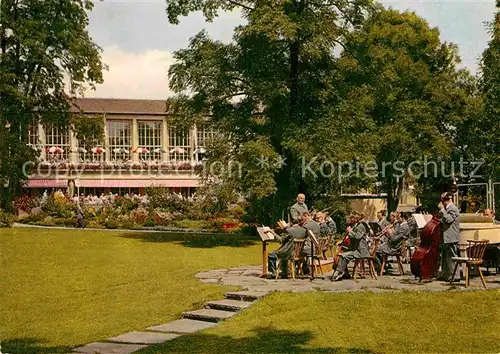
(41, 43)
(262, 90)
(489, 124)
(415, 98)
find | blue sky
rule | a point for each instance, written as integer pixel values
(138, 41)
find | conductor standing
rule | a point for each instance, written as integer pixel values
(450, 221)
(298, 209)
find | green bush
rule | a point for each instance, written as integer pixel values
(59, 208)
(165, 199)
(129, 224)
(94, 225)
(65, 221)
(47, 221)
(6, 219)
(111, 224)
(125, 205)
(224, 223)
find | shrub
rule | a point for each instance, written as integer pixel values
(225, 224)
(94, 225)
(111, 224)
(34, 218)
(47, 221)
(139, 216)
(165, 199)
(125, 205)
(129, 224)
(65, 221)
(162, 218)
(236, 211)
(25, 203)
(59, 208)
(6, 219)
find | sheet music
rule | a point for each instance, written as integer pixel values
(311, 235)
(421, 220)
(265, 233)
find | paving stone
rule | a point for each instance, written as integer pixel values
(205, 275)
(137, 337)
(242, 268)
(109, 348)
(228, 305)
(209, 315)
(246, 295)
(210, 281)
(184, 325)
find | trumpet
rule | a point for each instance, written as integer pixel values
(385, 231)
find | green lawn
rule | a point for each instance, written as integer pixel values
(409, 322)
(61, 289)
(64, 288)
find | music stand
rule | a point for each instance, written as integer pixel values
(314, 241)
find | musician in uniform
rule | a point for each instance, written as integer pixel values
(381, 219)
(326, 224)
(285, 252)
(412, 224)
(450, 226)
(490, 214)
(299, 208)
(359, 246)
(396, 235)
(309, 224)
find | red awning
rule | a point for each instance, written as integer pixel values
(47, 183)
(136, 183)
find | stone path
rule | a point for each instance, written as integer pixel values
(193, 321)
(249, 279)
(256, 287)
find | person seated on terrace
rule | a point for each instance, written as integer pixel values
(358, 248)
(396, 235)
(285, 252)
(491, 214)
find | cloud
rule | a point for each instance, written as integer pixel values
(134, 75)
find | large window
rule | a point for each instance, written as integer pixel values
(57, 143)
(179, 144)
(150, 138)
(203, 134)
(33, 138)
(119, 140)
(91, 153)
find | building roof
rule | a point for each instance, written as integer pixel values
(120, 106)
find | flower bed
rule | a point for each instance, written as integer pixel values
(165, 211)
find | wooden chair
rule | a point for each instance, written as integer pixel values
(318, 250)
(298, 245)
(329, 246)
(319, 253)
(324, 246)
(475, 253)
(360, 262)
(398, 260)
